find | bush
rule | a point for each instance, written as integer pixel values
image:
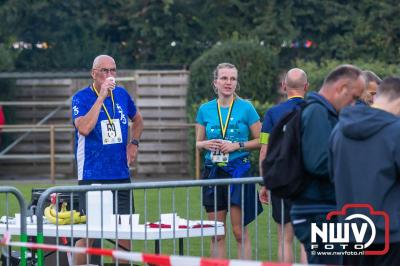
(257, 66)
(257, 69)
(317, 72)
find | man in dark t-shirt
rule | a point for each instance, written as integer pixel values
(295, 85)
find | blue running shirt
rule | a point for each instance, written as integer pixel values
(275, 113)
(95, 160)
(242, 117)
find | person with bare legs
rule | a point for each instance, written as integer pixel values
(227, 128)
(100, 114)
(295, 85)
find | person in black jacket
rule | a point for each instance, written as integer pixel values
(342, 87)
(364, 164)
(372, 81)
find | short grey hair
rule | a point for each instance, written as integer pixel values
(371, 77)
(296, 78)
(96, 61)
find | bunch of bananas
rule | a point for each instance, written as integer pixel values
(63, 216)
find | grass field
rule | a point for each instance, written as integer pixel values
(187, 205)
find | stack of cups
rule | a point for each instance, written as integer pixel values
(100, 209)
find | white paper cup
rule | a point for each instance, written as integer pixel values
(111, 78)
(114, 217)
(125, 219)
(168, 218)
(34, 219)
(96, 213)
(18, 219)
(134, 219)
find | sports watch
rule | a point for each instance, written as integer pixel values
(241, 146)
(135, 142)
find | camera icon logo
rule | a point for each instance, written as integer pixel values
(354, 227)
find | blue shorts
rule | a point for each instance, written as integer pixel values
(222, 192)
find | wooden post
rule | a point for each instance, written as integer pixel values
(197, 163)
(52, 155)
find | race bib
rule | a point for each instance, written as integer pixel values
(220, 157)
(111, 133)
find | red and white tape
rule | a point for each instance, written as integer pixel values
(162, 260)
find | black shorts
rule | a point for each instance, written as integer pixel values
(276, 209)
(222, 193)
(123, 196)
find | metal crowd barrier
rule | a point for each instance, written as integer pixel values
(159, 186)
(23, 214)
(152, 205)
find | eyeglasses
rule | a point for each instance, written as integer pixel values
(225, 79)
(105, 71)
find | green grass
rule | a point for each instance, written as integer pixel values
(266, 227)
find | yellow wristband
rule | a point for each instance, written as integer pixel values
(264, 137)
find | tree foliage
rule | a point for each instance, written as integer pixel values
(316, 72)
(257, 69)
(176, 32)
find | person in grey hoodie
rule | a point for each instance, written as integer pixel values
(364, 164)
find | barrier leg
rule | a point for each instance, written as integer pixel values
(23, 238)
(40, 240)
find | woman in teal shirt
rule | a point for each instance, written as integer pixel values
(227, 127)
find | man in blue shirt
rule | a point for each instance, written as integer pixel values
(295, 85)
(100, 114)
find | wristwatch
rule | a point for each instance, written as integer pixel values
(241, 146)
(135, 142)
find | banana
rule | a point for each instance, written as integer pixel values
(64, 213)
(48, 216)
(83, 219)
(52, 219)
(64, 217)
(64, 207)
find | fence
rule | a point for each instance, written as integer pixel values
(151, 200)
(161, 98)
(150, 213)
(43, 98)
(160, 95)
(59, 160)
(23, 214)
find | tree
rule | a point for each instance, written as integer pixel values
(257, 66)
(70, 29)
(144, 33)
(318, 71)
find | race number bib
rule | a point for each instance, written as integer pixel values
(111, 133)
(220, 157)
